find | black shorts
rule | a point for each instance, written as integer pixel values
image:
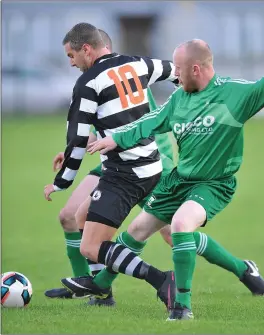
(115, 196)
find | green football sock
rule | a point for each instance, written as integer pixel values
(184, 257)
(214, 253)
(79, 264)
(106, 277)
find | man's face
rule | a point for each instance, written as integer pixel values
(186, 72)
(78, 59)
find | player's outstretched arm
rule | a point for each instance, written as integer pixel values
(256, 97)
(155, 122)
(252, 96)
(80, 115)
(160, 70)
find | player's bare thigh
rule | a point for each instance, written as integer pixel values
(92, 182)
(144, 226)
(81, 193)
(82, 211)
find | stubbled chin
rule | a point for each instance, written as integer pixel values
(187, 89)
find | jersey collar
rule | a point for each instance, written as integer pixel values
(114, 54)
(209, 85)
(211, 82)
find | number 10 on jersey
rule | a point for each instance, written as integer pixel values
(115, 75)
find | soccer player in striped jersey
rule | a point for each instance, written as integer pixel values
(111, 93)
(207, 116)
(67, 215)
(165, 149)
(71, 213)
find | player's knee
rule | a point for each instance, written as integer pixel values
(179, 225)
(67, 220)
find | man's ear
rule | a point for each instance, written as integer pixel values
(196, 69)
(86, 48)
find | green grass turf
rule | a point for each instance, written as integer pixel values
(33, 244)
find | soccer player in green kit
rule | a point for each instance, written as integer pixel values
(206, 115)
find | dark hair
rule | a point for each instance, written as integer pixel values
(106, 39)
(83, 33)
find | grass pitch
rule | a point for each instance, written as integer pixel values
(33, 244)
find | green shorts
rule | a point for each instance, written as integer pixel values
(97, 171)
(172, 191)
(143, 202)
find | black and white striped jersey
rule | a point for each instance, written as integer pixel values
(111, 94)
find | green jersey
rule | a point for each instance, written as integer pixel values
(163, 141)
(207, 125)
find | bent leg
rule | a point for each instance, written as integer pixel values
(72, 235)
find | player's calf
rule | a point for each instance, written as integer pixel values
(90, 251)
(120, 259)
(117, 258)
(94, 234)
(187, 218)
(165, 233)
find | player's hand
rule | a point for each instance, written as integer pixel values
(92, 138)
(58, 161)
(48, 189)
(104, 145)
